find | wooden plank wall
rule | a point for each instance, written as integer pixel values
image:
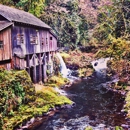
(19, 63)
(18, 48)
(6, 66)
(44, 43)
(6, 51)
(53, 43)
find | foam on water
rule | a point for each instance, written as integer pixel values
(60, 91)
(100, 64)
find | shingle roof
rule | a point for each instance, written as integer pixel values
(4, 24)
(15, 15)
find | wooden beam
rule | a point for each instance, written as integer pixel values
(49, 56)
(34, 72)
(28, 63)
(45, 69)
(40, 68)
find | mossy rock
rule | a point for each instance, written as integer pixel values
(57, 81)
(118, 128)
(88, 128)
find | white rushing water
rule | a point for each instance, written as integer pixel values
(60, 91)
(100, 66)
(64, 70)
(66, 73)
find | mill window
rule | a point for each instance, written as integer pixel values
(1, 45)
(33, 39)
(42, 41)
(20, 38)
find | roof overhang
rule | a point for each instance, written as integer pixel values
(4, 25)
(53, 34)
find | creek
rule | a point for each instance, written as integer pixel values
(96, 106)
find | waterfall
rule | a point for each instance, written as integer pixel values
(66, 73)
(64, 70)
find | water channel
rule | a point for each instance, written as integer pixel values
(95, 106)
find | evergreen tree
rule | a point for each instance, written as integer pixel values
(33, 6)
(67, 22)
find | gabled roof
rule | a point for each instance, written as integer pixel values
(4, 24)
(20, 16)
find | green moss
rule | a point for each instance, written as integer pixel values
(85, 72)
(21, 102)
(127, 105)
(88, 128)
(11, 122)
(57, 81)
(118, 128)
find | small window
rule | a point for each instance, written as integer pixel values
(50, 38)
(42, 41)
(20, 39)
(33, 39)
(1, 45)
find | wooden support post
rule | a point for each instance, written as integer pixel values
(12, 63)
(49, 57)
(28, 63)
(52, 54)
(40, 68)
(34, 72)
(45, 69)
(15, 62)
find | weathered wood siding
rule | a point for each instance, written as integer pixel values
(43, 36)
(6, 51)
(5, 64)
(32, 48)
(19, 63)
(48, 42)
(43, 42)
(17, 47)
(53, 42)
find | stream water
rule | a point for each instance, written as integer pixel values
(95, 106)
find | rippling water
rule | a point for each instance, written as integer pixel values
(95, 106)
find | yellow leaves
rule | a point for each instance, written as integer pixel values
(119, 42)
(57, 80)
(118, 47)
(65, 55)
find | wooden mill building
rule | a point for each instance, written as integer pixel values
(25, 43)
